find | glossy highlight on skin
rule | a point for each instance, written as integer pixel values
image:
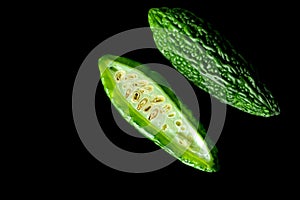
(156, 112)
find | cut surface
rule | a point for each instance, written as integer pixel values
(155, 113)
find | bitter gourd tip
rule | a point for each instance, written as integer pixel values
(104, 61)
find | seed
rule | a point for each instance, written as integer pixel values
(153, 114)
(166, 108)
(142, 103)
(171, 115)
(147, 89)
(128, 92)
(178, 122)
(148, 108)
(158, 99)
(136, 96)
(119, 75)
(130, 76)
(140, 83)
(164, 127)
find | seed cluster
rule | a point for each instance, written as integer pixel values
(149, 101)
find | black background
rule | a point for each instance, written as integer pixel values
(255, 152)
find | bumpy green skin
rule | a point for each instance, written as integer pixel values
(156, 112)
(207, 59)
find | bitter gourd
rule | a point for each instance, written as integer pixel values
(155, 111)
(209, 60)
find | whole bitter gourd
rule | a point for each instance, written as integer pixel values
(209, 60)
(155, 111)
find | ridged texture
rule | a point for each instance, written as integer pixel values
(155, 111)
(207, 59)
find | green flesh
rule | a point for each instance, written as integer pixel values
(181, 135)
(207, 59)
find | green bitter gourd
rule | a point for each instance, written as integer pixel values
(155, 111)
(209, 60)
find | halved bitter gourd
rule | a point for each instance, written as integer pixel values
(155, 111)
(209, 60)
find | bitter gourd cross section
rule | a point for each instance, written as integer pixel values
(155, 111)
